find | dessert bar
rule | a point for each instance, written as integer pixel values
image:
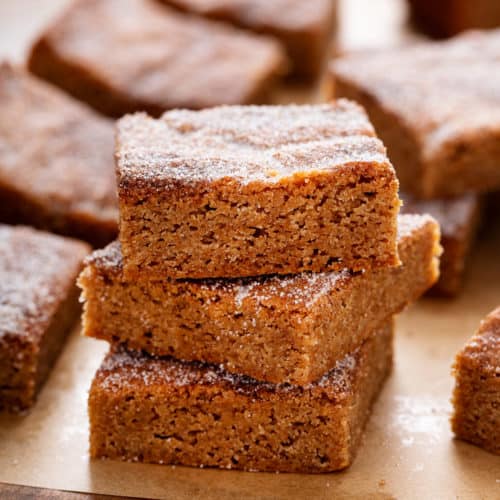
(56, 161)
(443, 18)
(38, 306)
(161, 410)
(121, 56)
(476, 398)
(304, 28)
(436, 106)
(238, 191)
(458, 218)
(278, 329)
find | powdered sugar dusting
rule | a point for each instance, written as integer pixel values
(432, 87)
(409, 223)
(37, 269)
(122, 368)
(245, 143)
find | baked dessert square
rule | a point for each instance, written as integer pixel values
(160, 410)
(443, 18)
(38, 306)
(277, 329)
(436, 107)
(304, 28)
(459, 220)
(476, 397)
(238, 191)
(56, 161)
(161, 58)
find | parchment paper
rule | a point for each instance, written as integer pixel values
(407, 452)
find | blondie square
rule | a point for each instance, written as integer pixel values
(121, 56)
(304, 28)
(476, 397)
(436, 106)
(56, 161)
(459, 219)
(239, 191)
(38, 305)
(161, 410)
(277, 329)
(443, 18)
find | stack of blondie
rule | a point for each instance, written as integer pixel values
(250, 298)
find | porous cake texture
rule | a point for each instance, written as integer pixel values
(476, 397)
(436, 106)
(38, 305)
(121, 56)
(239, 191)
(160, 410)
(278, 329)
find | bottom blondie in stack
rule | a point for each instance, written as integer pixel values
(277, 373)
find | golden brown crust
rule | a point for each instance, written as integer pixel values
(278, 329)
(161, 410)
(459, 219)
(56, 163)
(304, 28)
(476, 397)
(38, 306)
(161, 60)
(419, 99)
(244, 191)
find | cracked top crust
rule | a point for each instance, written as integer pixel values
(37, 269)
(246, 143)
(441, 90)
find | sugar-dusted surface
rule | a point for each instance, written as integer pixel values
(420, 99)
(56, 160)
(168, 412)
(162, 59)
(35, 268)
(123, 368)
(305, 28)
(246, 144)
(476, 397)
(458, 219)
(275, 328)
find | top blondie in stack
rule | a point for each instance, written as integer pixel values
(249, 300)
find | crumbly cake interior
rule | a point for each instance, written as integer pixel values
(274, 328)
(476, 397)
(311, 190)
(161, 410)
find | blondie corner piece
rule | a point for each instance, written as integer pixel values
(420, 100)
(38, 306)
(56, 161)
(304, 28)
(161, 410)
(459, 220)
(476, 397)
(277, 329)
(240, 191)
(121, 56)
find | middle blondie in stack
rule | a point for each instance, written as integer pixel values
(249, 301)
